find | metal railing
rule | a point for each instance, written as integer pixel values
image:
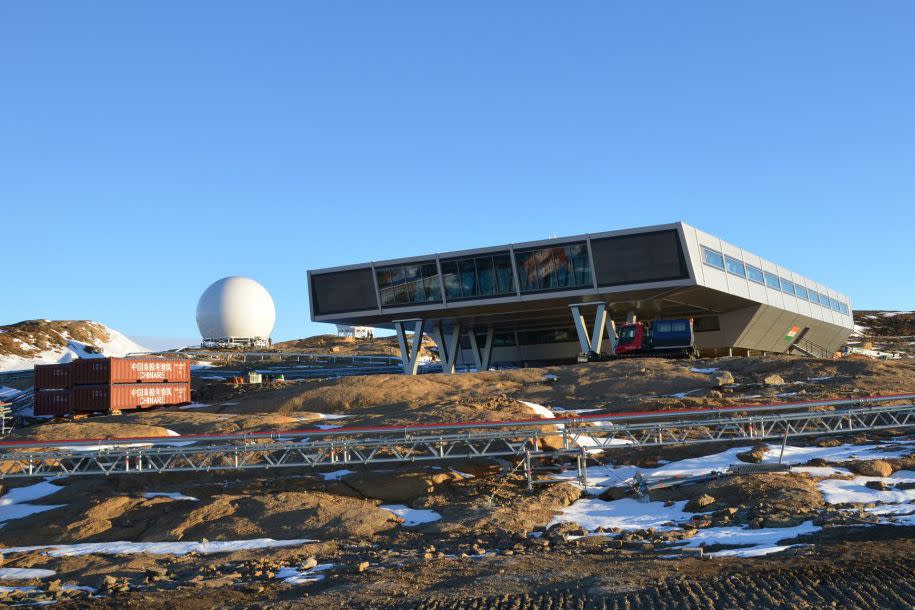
(436, 442)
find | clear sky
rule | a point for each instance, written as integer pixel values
(150, 148)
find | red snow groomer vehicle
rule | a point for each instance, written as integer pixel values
(663, 339)
(657, 339)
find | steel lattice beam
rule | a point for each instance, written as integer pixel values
(367, 446)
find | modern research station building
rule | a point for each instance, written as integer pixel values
(551, 300)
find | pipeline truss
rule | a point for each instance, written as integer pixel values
(569, 436)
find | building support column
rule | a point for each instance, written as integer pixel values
(448, 345)
(482, 357)
(409, 354)
(593, 342)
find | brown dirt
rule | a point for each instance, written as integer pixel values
(347, 346)
(492, 512)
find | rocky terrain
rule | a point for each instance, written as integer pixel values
(889, 331)
(25, 344)
(468, 533)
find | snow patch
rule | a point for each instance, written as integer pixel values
(625, 514)
(707, 371)
(336, 475)
(293, 576)
(412, 516)
(154, 548)
(24, 573)
(174, 495)
(15, 503)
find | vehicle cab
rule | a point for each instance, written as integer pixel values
(632, 338)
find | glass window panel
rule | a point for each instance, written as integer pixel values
(735, 267)
(405, 284)
(834, 304)
(824, 300)
(450, 277)
(433, 291)
(787, 286)
(755, 274)
(503, 340)
(772, 281)
(801, 291)
(503, 266)
(561, 267)
(486, 276)
(468, 278)
(713, 258)
(401, 294)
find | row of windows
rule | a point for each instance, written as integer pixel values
(713, 258)
(524, 337)
(490, 275)
(478, 276)
(405, 284)
(553, 268)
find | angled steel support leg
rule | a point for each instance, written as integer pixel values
(482, 357)
(448, 345)
(600, 325)
(592, 341)
(612, 336)
(584, 339)
(409, 353)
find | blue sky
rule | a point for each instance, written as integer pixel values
(148, 149)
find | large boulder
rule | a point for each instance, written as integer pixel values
(873, 468)
(774, 380)
(754, 455)
(399, 487)
(722, 378)
(700, 503)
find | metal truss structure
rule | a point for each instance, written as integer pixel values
(567, 436)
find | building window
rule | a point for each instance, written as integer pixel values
(409, 284)
(557, 268)
(772, 281)
(540, 337)
(787, 287)
(801, 292)
(478, 276)
(712, 257)
(734, 266)
(706, 324)
(755, 274)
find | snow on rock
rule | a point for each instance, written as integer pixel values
(15, 503)
(707, 371)
(154, 548)
(412, 516)
(539, 409)
(855, 490)
(174, 495)
(24, 573)
(63, 346)
(336, 475)
(759, 541)
(582, 441)
(293, 576)
(625, 514)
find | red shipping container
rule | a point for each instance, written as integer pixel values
(127, 396)
(53, 402)
(98, 371)
(53, 376)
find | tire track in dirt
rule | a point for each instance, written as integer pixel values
(869, 585)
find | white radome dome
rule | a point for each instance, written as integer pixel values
(235, 308)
